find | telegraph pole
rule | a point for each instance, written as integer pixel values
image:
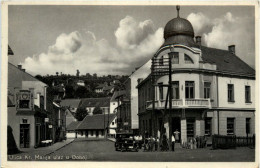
(170, 99)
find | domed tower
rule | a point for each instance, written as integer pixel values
(179, 31)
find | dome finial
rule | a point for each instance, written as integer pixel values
(178, 10)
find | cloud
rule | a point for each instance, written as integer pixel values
(226, 30)
(200, 22)
(136, 42)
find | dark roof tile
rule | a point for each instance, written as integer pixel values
(96, 121)
(226, 61)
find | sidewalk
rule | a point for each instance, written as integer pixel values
(43, 151)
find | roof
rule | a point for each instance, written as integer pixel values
(96, 121)
(95, 102)
(10, 51)
(100, 86)
(106, 88)
(70, 103)
(73, 125)
(117, 94)
(226, 61)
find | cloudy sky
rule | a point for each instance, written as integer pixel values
(116, 39)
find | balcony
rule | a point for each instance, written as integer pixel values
(180, 103)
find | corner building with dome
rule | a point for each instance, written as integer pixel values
(212, 90)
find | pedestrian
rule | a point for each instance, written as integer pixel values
(164, 143)
(173, 142)
(152, 143)
(156, 143)
(177, 135)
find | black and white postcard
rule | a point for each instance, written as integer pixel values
(156, 84)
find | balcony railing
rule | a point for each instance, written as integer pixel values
(181, 103)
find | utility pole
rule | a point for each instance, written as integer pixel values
(153, 96)
(170, 99)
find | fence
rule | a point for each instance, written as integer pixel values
(231, 142)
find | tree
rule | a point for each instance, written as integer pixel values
(81, 92)
(81, 113)
(97, 110)
(69, 91)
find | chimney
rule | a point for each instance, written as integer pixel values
(198, 40)
(19, 66)
(232, 49)
(23, 70)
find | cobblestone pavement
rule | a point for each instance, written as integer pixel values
(101, 150)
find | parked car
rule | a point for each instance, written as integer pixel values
(125, 142)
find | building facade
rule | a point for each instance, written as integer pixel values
(97, 126)
(26, 108)
(212, 90)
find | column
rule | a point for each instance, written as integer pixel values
(215, 123)
(183, 130)
(197, 127)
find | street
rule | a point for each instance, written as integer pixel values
(103, 150)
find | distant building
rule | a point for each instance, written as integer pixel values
(99, 88)
(71, 129)
(80, 83)
(114, 101)
(91, 103)
(71, 106)
(97, 126)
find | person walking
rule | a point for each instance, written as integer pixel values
(173, 142)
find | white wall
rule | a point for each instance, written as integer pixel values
(181, 77)
(112, 129)
(113, 105)
(142, 72)
(239, 92)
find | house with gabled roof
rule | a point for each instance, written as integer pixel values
(97, 126)
(91, 103)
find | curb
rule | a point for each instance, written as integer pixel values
(59, 148)
(113, 140)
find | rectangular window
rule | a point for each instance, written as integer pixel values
(160, 91)
(24, 103)
(175, 59)
(175, 90)
(230, 126)
(207, 90)
(208, 126)
(248, 125)
(189, 90)
(248, 94)
(231, 93)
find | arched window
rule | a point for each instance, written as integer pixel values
(175, 59)
(187, 59)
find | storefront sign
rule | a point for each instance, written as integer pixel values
(125, 123)
(50, 126)
(46, 119)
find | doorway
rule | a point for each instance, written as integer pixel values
(24, 135)
(176, 128)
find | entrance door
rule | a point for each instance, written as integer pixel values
(176, 128)
(24, 135)
(38, 134)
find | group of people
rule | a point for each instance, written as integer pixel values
(155, 143)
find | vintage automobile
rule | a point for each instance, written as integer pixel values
(125, 142)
